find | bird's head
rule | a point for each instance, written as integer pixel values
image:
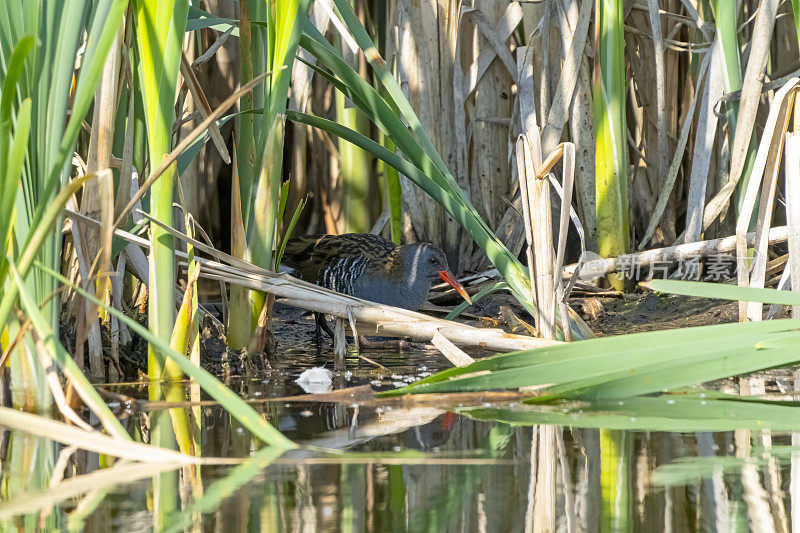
(426, 261)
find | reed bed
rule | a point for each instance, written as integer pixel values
(674, 124)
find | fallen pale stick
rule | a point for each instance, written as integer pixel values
(453, 353)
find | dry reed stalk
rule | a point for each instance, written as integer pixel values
(669, 181)
(526, 212)
(339, 343)
(661, 87)
(567, 79)
(527, 114)
(453, 353)
(531, 496)
(97, 202)
(649, 119)
(765, 174)
(200, 101)
(792, 193)
(544, 506)
(752, 84)
(749, 100)
(568, 179)
(566, 482)
(485, 96)
(536, 205)
(543, 255)
(755, 497)
(535, 192)
(703, 147)
(675, 253)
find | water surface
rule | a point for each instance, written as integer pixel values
(422, 468)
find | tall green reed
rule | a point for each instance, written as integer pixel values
(159, 30)
(259, 153)
(40, 119)
(611, 154)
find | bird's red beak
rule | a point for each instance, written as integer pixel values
(453, 282)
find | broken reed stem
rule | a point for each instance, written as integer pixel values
(453, 353)
(537, 193)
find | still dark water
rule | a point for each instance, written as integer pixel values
(421, 468)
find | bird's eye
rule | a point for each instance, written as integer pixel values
(433, 260)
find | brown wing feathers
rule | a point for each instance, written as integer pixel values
(312, 254)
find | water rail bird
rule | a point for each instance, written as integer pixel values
(370, 267)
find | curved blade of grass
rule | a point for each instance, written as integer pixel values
(11, 161)
(13, 73)
(722, 291)
(197, 19)
(13, 168)
(404, 166)
(364, 95)
(237, 407)
(578, 366)
(386, 78)
(36, 241)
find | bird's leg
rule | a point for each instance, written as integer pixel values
(322, 325)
